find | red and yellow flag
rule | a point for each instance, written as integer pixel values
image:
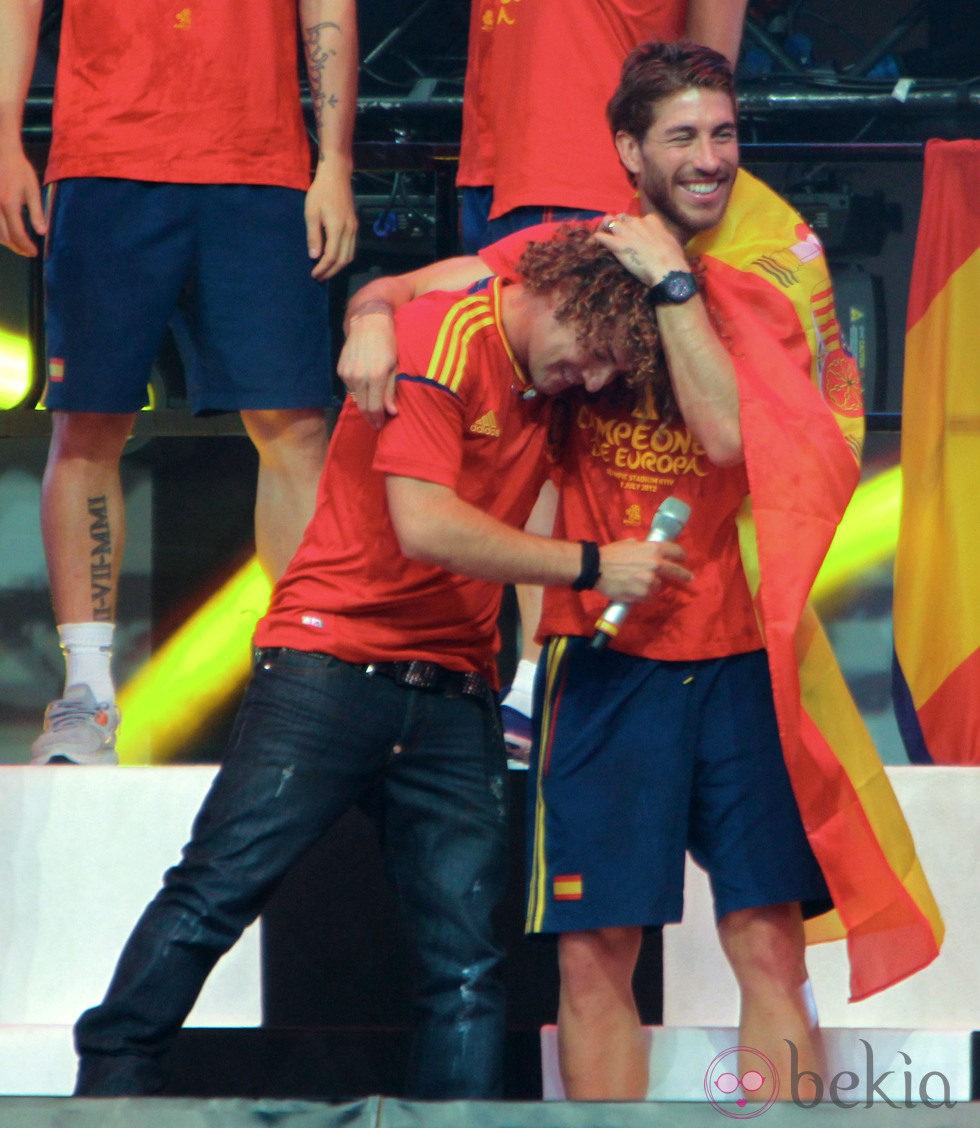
(802, 444)
(936, 680)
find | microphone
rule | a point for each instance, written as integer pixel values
(668, 521)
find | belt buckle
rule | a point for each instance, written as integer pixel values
(474, 684)
(419, 675)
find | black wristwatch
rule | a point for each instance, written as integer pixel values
(675, 287)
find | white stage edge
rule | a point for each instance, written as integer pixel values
(872, 1064)
(82, 850)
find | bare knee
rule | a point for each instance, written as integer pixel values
(88, 437)
(286, 437)
(597, 967)
(765, 947)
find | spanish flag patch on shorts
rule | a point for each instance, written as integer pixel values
(567, 887)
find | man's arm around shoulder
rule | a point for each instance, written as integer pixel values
(370, 353)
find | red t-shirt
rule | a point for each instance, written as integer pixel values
(461, 422)
(618, 467)
(146, 90)
(617, 470)
(476, 143)
(552, 67)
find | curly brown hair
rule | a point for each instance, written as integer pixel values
(607, 305)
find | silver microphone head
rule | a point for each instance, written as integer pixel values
(670, 518)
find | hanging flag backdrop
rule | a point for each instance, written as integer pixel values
(936, 673)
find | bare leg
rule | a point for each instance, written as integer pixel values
(518, 703)
(83, 522)
(529, 600)
(766, 950)
(292, 446)
(83, 526)
(601, 1048)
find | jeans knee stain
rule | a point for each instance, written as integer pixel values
(499, 797)
(468, 999)
(285, 777)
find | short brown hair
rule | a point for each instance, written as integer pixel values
(607, 304)
(653, 71)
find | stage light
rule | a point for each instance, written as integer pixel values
(194, 674)
(16, 368)
(199, 669)
(866, 537)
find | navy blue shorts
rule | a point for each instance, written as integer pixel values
(125, 257)
(634, 762)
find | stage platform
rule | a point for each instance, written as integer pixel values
(379, 1112)
(81, 851)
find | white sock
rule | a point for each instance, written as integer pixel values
(87, 648)
(521, 695)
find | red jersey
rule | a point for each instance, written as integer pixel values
(476, 143)
(541, 87)
(206, 94)
(619, 466)
(462, 423)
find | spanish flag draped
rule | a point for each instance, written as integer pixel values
(937, 593)
(802, 444)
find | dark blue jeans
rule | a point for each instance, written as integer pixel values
(312, 733)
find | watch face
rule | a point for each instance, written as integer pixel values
(678, 286)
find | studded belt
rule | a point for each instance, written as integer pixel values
(430, 675)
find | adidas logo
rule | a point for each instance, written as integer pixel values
(486, 425)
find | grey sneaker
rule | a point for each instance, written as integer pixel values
(77, 730)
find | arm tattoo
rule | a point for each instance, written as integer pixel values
(100, 568)
(633, 256)
(318, 54)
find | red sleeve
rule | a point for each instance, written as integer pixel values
(425, 439)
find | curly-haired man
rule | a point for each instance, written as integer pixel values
(375, 662)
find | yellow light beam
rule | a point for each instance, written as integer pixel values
(16, 368)
(866, 537)
(194, 674)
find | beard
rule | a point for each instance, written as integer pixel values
(686, 218)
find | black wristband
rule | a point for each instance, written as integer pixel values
(589, 575)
